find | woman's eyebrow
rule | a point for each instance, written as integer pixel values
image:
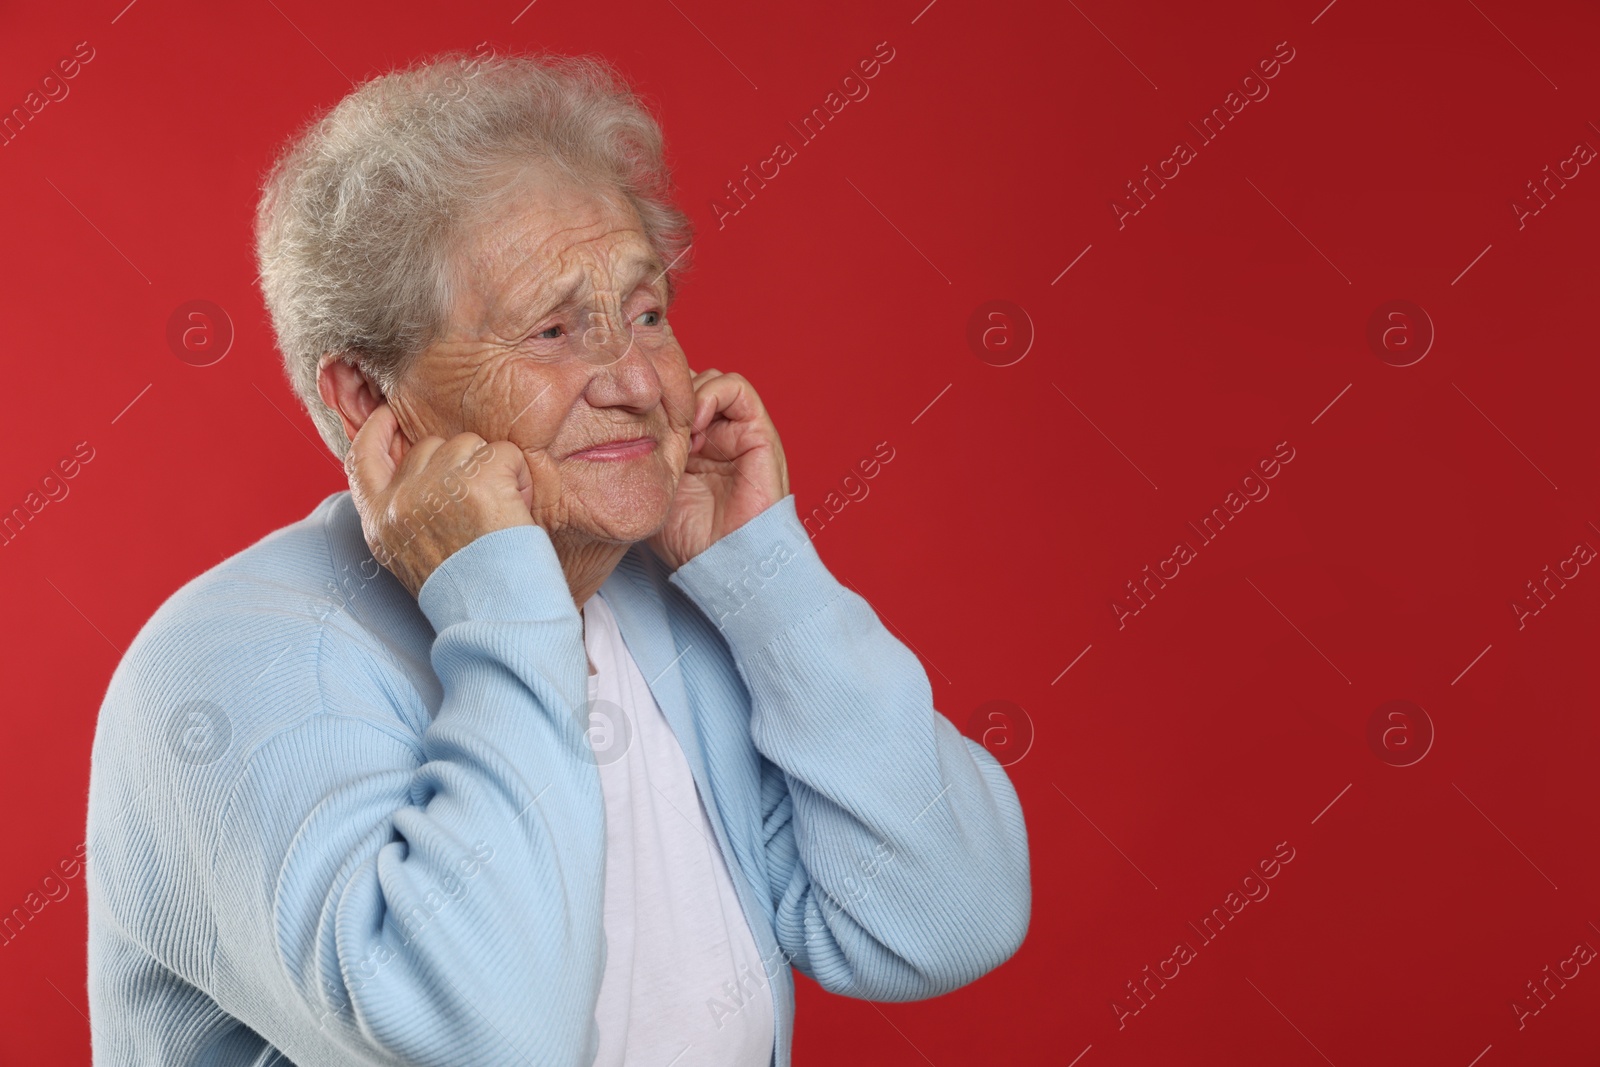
(647, 265)
(569, 297)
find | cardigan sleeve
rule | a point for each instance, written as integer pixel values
(388, 897)
(896, 848)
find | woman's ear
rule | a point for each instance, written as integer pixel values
(345, 388)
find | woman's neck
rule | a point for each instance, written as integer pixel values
(586, 564)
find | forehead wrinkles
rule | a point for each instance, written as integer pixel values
(568, 267)
(522, 268)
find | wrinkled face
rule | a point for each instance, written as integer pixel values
(558, 342)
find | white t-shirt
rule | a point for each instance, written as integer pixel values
(683, 983)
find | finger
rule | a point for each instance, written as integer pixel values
(505, 462)
(466, 451)
(467, 457)
(399, 446)
(418, 456)
(697, 378)
(370, 462)
(728, 395)
(523, 476)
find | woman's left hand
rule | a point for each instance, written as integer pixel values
(735, 471)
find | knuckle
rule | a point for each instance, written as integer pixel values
(469, 449)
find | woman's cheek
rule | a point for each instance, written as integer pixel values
(529, 401)
(492, 394)
(677, 390)
(682, 411)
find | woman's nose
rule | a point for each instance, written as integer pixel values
(606, 340)
(622, 373)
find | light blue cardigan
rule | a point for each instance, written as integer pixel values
(330, 824)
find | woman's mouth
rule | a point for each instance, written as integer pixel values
(631, 448)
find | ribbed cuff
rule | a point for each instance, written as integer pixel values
(512, 573)
(759, 580)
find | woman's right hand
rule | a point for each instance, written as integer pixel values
(420, 503)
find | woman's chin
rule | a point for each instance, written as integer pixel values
(628, 513)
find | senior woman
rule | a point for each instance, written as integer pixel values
(551, 740)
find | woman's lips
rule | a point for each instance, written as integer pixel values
(618, 450)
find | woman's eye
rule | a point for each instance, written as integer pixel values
(549, 333)
(653, 315)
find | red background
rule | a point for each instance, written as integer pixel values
(1222, 319)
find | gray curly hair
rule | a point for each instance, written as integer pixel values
(361, 212)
